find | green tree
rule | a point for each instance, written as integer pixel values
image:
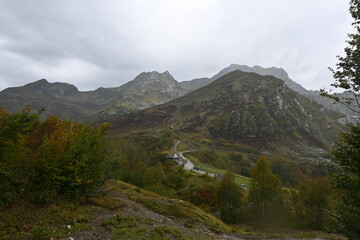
(134, 165)
(154, 175)
(265, 196)
(231, 199)
(347, 182)
(285, 171)
(315, 196)
(176, 179)
(347, 150)
(14, 165)
(347, 72)
(14, 130)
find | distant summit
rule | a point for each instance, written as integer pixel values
(146, 90)
(272, 71)
(154, 83)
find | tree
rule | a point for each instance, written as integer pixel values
(315, 196)
(347, 182)
(49, 159)
(285, 171)
(14, 167)
(67, 158)
(265, 194)
(176, 179)
(154, 175)
(230, 198)
(14, 129)
(347, 150)
(347, 72)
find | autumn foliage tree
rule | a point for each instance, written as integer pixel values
(68, 157)
(51, 158)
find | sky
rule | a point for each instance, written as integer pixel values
(106, 43)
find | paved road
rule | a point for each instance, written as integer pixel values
(187, 164)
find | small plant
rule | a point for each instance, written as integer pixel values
(129, 233)
(40, 233)
(107, 202)
(135, 208)
(121, 221)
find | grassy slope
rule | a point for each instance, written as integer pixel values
(123, 211)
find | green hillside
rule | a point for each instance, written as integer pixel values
(259, 112)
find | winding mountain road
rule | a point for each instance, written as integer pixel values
(186, 163)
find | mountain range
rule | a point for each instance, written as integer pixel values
(146, 90)
(66, 101)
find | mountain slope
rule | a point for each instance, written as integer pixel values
(259, 111)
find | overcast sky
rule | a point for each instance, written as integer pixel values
(106, 43)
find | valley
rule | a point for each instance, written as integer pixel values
(132, 120)
(168, 160)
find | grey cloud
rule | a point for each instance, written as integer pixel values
(106, 43)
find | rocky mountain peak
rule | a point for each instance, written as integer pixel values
(154, 76)
(39, 83)
(271, 71)
(42, 81)
(154, 81)
(145, 90)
